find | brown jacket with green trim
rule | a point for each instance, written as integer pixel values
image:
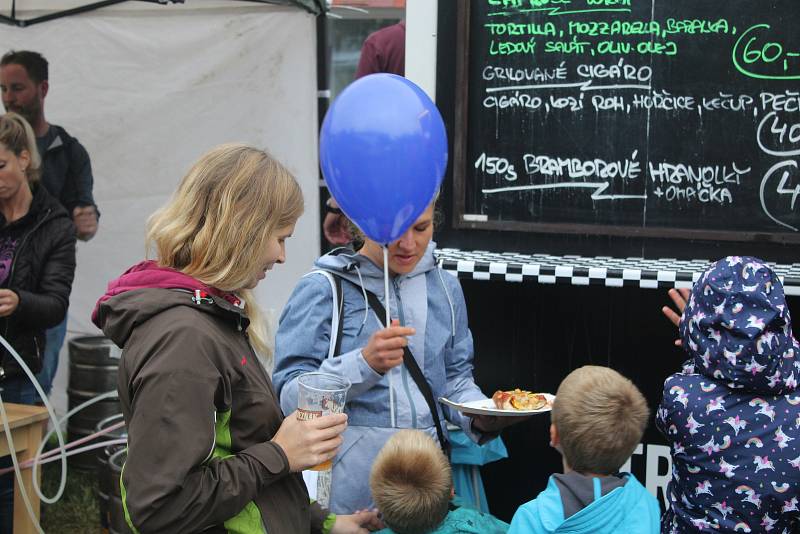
(201, 411)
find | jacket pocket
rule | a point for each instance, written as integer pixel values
(349, 440)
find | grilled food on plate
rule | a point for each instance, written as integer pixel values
(519, 399)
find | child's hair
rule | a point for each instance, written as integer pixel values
(359, 238)
(16, 135)
(600, 416)
(411, 483)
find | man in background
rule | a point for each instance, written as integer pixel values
(382, 51)
(66, 169)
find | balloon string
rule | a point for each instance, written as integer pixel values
(388, 323)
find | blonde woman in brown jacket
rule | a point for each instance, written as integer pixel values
(208, 447)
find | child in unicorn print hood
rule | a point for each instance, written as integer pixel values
(732, 415)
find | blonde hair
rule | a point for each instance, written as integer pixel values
(600, 416)
(359, 238)
(411, 483)
(219, 222)
(17, 136)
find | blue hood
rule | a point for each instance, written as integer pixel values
(349, 265)
(630, 509)
(737, 328)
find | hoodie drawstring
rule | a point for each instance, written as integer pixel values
(452, 310)
(364, 293)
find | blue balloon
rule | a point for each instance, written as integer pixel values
(383, 152)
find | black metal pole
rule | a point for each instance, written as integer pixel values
(323, 100)
(57, 15)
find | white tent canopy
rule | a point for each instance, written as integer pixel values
(148, 88)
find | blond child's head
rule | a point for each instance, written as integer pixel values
(411, 483)
(598, 418)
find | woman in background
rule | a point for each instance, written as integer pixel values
(37, 265)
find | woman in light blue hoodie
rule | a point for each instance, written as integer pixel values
(428, 303)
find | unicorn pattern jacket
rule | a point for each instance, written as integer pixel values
(732, 415)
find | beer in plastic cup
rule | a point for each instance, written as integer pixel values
(320, 394)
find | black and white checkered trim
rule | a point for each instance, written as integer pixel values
(585, 271)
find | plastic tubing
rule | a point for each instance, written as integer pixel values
(45, 459)
(7, 429)
(62, 447)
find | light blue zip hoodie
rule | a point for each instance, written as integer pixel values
(627, 509)
(427, 299)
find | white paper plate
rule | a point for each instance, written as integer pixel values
(487, 407)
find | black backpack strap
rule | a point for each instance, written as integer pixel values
(340, 305)
(416, 374)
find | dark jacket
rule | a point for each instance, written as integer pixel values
(66, 169)
(41, 274)
(731, 415)
(200, 410)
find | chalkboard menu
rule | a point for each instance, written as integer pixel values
(671, 118)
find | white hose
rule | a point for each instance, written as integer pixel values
(7, 429)
(98, 445)
(73, 444)
(62, 448)
(45, 459)
(61, 451)
(17, 470)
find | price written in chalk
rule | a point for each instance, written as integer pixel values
(758, 54)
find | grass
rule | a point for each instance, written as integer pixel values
(77, 511)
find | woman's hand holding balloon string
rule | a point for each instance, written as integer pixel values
(311, 442)
(384, 349)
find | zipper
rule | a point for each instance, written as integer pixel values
(36, 345)
(403, 370)
(16, 256)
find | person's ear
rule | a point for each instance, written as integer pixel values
(24, 159)
(44, 87)
(555, 441)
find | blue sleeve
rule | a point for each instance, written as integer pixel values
(303, 340)
(460, 385)
(523, 521)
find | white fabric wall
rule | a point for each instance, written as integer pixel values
(147, 89)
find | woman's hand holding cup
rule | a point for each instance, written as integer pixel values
(310, 442)
(384, 349)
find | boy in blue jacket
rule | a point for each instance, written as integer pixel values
(598, 418)
(412, 485)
